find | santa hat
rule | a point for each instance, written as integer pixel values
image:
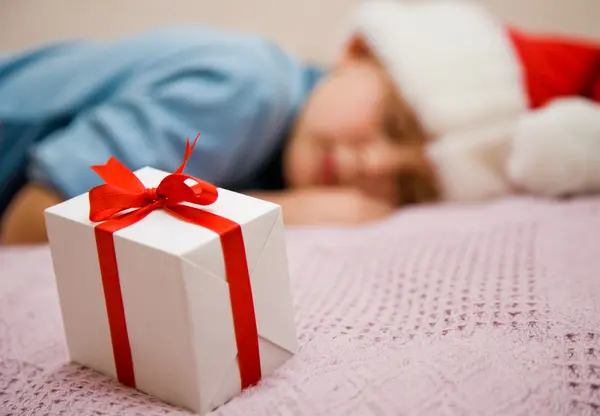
(463, 71)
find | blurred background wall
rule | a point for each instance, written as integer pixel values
(310, 28)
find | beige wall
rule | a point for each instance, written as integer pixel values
(307, 27)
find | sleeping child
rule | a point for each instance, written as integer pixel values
(427, 101)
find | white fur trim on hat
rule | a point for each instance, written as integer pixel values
(556, 149)
(450, 59)
(470, 164)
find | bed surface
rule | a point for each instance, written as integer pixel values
(487, 310)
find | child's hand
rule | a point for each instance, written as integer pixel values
(23, 221)
(328, 206)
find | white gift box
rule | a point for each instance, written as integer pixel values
(175, 296)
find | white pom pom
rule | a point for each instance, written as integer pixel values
(556, 149)
(470, 164)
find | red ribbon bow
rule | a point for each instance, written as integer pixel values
(122, 201)
(123, 191)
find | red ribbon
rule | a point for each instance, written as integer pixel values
(122, 201)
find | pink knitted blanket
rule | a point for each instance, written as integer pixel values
(488, 310)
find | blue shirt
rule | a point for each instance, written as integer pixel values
(67, 106)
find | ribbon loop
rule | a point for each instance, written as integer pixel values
(109, 200)
(175, 190)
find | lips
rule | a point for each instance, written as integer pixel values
(329, 168)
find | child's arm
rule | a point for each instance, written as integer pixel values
(24, 220)
(327, 206)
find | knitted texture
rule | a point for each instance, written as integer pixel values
(480, 310)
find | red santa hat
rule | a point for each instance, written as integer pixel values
(464, 71)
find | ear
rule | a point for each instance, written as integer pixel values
(354, 49)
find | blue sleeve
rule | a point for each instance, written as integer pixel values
(239, 92)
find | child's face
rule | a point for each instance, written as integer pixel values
(355, 131)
